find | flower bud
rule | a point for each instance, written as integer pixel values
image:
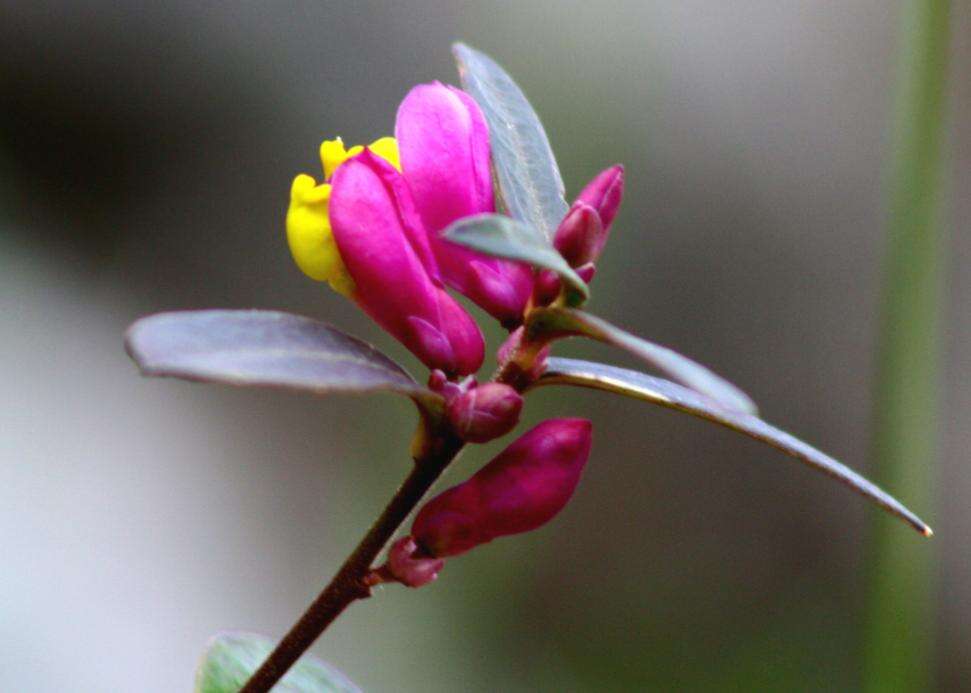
(408, 567)
(580, 237)
(484, 412)
(523, 488)
(604, 194)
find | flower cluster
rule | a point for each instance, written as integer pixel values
(373, 230)
(396, 226)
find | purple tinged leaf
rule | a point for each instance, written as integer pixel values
(501, 236)
(265, 348)
(569, 322)
(667, 394)
(529, 179)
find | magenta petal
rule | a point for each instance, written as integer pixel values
(431, 342)
(481, 151)
(462, 333)
(499, 287)
(444, 144)
(380, 240)
(414, 229)
(444, 147)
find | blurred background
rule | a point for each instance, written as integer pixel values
(146, 153)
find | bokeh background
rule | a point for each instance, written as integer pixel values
(146, 152)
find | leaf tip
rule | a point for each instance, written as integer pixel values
(462, 52)
(131, 344)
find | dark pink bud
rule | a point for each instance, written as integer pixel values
(408, 567)
(581, 235)
(523, 488)
(484, 412)
(604, 193)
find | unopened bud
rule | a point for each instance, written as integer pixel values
(580, 237)
(523, 488)
(604, 194)
(484, 412)
(408, 567)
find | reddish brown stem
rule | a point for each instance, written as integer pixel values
(351, 581)
(349, 584)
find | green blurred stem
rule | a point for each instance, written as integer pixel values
(900, 618)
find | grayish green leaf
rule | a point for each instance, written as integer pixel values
(264, 348)
(673, 396)
(672, 364)
(529, 178)
(502, 236)
(231, 657)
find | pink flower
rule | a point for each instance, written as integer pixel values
(444, 144)
(385, 249)
(523, 488)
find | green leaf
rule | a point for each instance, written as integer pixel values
(525, 167)
(566, 321)
(501, 236)
(231, 657)
(265, 348)
(673, 396)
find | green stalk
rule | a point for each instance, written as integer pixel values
(900, 611)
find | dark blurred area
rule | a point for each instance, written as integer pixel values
(146, 153)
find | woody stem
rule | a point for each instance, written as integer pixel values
(351, 583)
